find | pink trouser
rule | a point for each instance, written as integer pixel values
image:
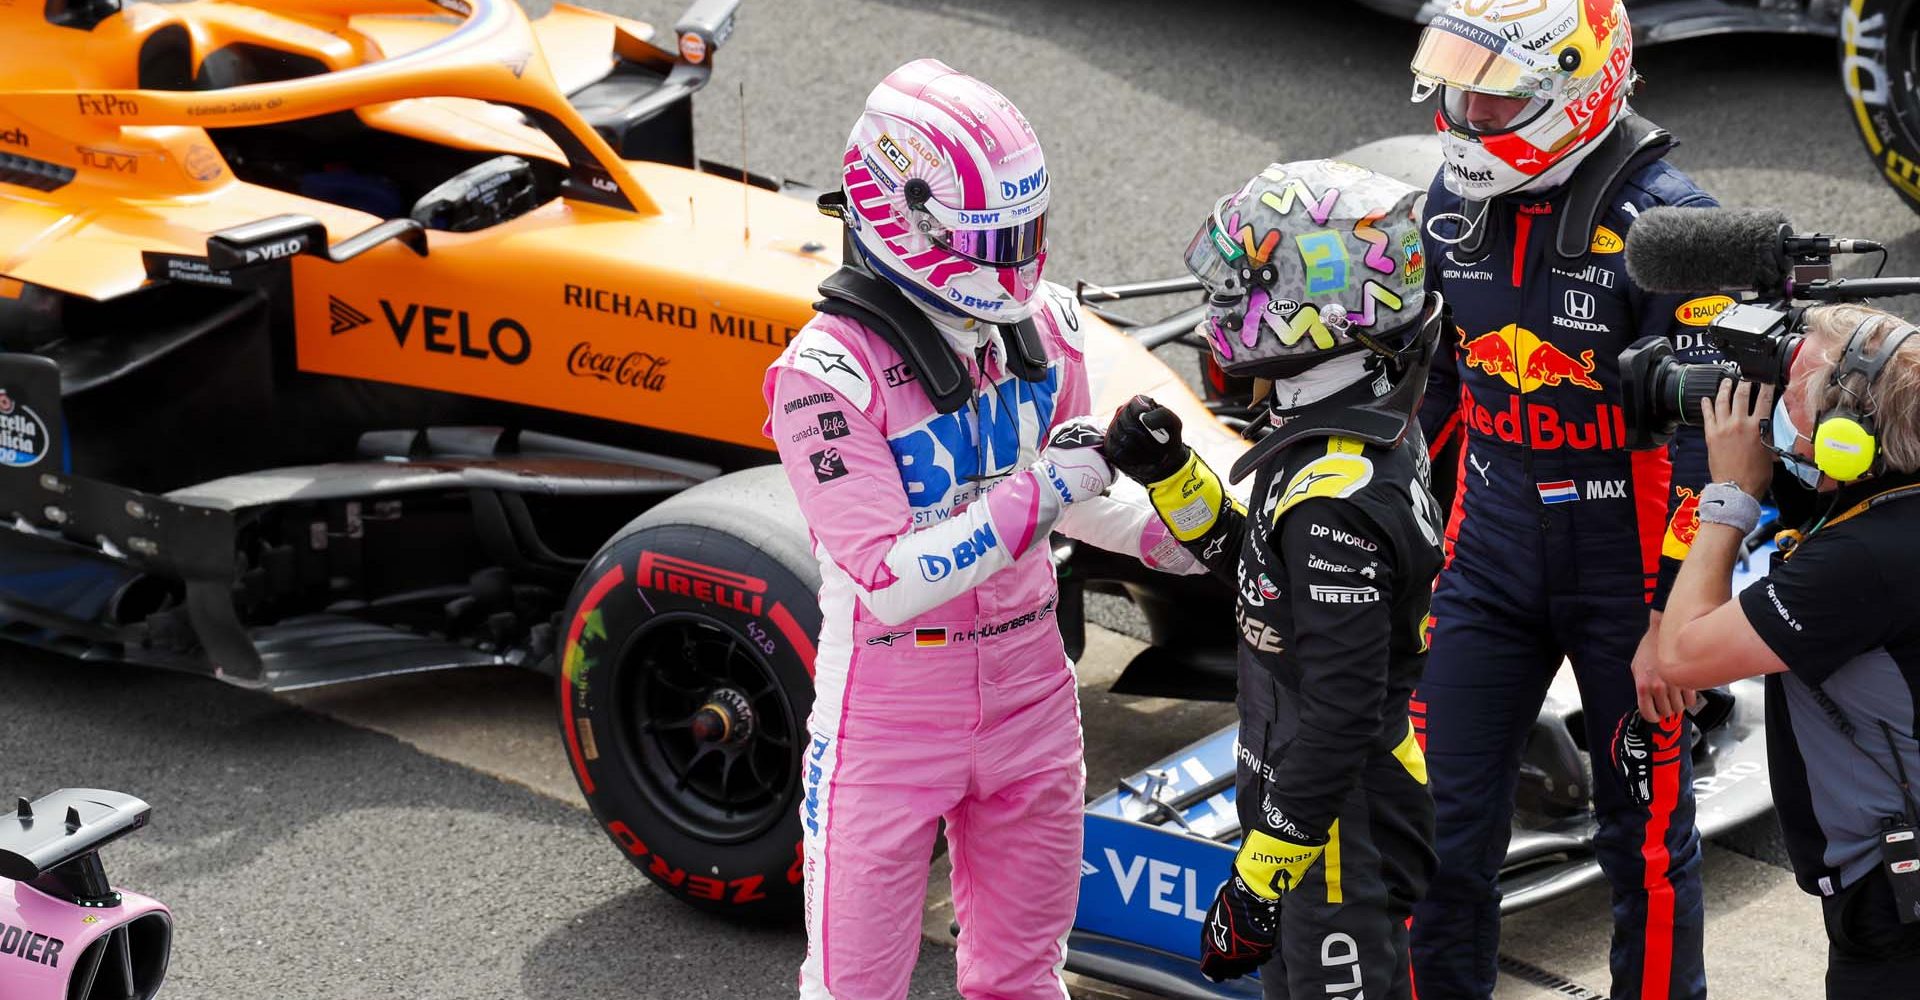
(982, 731)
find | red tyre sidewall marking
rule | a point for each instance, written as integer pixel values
(797, 636)
(595, 595)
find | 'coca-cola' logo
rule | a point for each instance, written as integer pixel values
(634, 369)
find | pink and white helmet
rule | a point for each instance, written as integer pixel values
(947, 193)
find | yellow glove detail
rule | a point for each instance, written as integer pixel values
(1271, 867)
(1189, 500)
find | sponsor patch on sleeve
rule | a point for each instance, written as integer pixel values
(1341, 472)
(827, 465)
(821, 355)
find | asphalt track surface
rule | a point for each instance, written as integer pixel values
(307, 857)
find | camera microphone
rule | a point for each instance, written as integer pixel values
(1825, 246)
(1714, 249)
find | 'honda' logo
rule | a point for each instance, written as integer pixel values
(1579, 304)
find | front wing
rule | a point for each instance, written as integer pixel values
(1159, 845)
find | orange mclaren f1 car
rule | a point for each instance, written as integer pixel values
(345, 338)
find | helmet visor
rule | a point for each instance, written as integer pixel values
(1014, 245)
(1454, 107)
(1213, 256)
(1464, 56)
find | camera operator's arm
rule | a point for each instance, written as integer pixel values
(1706, 638)
(1658, 314)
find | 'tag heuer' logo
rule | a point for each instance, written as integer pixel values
(686, 578)
(1515, 356)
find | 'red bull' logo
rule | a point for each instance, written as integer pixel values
(1515, 356)
(1684, 526)
(1544, 428)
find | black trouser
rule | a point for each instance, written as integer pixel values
(1870, 953)
(1343, 929)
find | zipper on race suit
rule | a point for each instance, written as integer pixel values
(1522, 231)
(982, 382)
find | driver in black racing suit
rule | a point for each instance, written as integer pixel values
(1334, 568)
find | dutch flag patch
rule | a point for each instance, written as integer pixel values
(1560, 492)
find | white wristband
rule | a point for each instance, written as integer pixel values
(1728, 504)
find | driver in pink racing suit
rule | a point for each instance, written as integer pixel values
(927, 425)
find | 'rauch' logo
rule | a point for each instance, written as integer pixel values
(1701, 311)
(23, 435)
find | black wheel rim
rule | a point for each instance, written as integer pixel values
(709, 732)
(1902, 58)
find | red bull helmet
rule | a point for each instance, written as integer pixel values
(1570, 61)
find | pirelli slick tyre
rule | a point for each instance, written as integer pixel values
(685, 680)
(1879, 56)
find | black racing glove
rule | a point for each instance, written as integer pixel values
(1639, 746)
(1143, 441)
(1240, 933)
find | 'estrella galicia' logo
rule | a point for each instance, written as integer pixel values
(23, 435)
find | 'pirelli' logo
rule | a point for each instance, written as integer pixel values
(686, 578)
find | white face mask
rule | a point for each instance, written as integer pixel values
(1785, 434)
(1320, 381)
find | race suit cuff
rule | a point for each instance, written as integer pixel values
(1190, 500)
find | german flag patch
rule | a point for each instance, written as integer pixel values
(929, 637)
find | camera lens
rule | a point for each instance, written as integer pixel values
(1689, 384)
(1660, 393)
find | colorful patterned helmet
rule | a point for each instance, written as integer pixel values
(1307, 261)
(947, 193)
(1572, 60)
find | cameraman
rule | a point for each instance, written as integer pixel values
(1832, 626)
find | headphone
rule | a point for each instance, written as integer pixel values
(1845, 445)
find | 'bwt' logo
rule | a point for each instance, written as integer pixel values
(1030, 184)
(986, 437)
(814, 774)
(936, 568)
